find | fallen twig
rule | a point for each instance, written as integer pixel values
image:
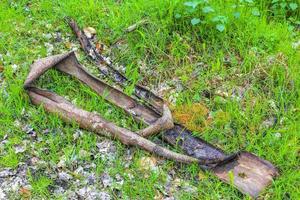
(135, 25)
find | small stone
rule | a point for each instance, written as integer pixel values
(29, 130)
(90, 166)
(34, 160)
(106, 180)
(107, 149)
(91, 179)
(17, 123)
(47, 36)
(20, 149)
(78, 133)
(119, 179)
(7, 172)
(92, 194)
(222, 93)
(295, 45)
(64, 176)
(79, 170)
(71, 195)
(49, 48)
(17, 182)
(268, 123)
(2, 195)
(59, 190)
(62, 162)
(169, 198)
(189, 188)
(46, 131)
(58, 37)
(82, 192)
(83, 153)
(277, 135)
(15, 67)
(104, 196)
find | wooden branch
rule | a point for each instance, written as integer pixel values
(94, 122)
(141, 92)
(163, 123)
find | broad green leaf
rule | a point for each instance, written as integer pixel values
(192, 4)
(255, 11)
(220, 18)
(220, 27)
(177, 16)
(283, 5)
(207, 9)
(237, 14)
(195, 21)
(293, 6)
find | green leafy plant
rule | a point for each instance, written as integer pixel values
(209, 14)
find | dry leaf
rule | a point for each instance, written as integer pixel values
(1, 68)
(147, 163)
(25, 193)
(68, 45)
(201, 176)
(100, 47)
(89, 32)
(193, 116)
(158, 195)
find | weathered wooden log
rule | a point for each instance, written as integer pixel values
(54, 103)
(257, 173)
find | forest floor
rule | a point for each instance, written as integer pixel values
(230, 71)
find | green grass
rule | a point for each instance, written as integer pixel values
(262, 60)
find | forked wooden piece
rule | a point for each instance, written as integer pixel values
(56, 104)
(250, 174)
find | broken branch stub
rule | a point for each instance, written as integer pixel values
(165, 122)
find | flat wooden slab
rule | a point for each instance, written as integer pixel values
(248, 173)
